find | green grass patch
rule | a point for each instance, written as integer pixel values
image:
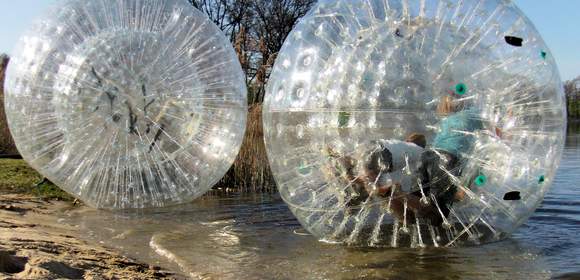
(16, 177)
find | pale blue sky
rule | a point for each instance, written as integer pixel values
(558, 21)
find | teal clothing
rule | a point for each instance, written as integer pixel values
(452, 137)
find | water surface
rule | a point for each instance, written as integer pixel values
(256, 237)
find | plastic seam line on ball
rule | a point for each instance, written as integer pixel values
(414, 123)
(127, 104)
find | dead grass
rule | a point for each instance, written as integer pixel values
(6, 142)
(251, 171)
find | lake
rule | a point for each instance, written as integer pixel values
(256, 237)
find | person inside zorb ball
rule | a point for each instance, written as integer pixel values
(414, 123)
(127, 103)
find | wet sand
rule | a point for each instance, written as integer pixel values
(35, 245)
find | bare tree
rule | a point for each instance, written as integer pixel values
(258, 30)
(273, 21)
(572, 90)
(229, 15)
(276, 18)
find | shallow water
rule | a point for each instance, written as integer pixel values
(256, 237)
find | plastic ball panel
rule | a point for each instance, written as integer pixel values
(127, 104)
(475, 74)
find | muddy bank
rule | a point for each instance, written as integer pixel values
(34, 245)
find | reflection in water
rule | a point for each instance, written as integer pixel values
(256, 237)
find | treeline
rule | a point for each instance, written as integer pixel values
(572, 89)
(257, 30)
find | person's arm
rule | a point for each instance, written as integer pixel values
(386, 188)
(459, 195)
(498, 132)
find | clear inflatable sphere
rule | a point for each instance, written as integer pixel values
(414, 123)
(127, 104)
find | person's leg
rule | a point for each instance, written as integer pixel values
(356, 189)
(431, 176)
(406, 206)
(425, 172)
(395, 198)
(442, 186)
(342, 167)
(415, 206)
(435, 173)
(358, 195)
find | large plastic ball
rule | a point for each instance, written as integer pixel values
(127, 103)
(414, 123)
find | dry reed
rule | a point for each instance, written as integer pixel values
(7, 146)
(251, 170)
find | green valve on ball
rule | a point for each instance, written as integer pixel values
(480, 180)
(461, 89)
(542, 179)
(544, 54)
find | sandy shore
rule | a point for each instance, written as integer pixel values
(34, 245)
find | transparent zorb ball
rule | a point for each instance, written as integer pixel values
(414, 123)
(127, 104)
